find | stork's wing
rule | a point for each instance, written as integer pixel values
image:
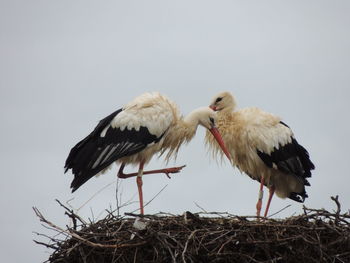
(110, 141)
(288, 156)
(95, 133)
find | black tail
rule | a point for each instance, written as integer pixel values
(307, 166)
(305, 161)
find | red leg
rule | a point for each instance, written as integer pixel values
(261, 194)
(139, 177)
(272, 191)
(120, 172)
(139, 186)
(166, 171)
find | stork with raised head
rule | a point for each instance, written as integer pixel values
(149, 124)
(263, 147)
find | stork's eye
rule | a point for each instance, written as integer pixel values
(211, 120)
(218, 99)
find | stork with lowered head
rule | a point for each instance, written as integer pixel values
(264, 147)
(149, 124)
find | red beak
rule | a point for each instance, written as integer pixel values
(218, 138)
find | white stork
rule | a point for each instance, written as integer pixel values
(149, 124)
(263, 147)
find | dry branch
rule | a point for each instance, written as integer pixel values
(315, 236)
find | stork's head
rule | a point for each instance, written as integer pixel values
(207, 118)
(223, 101)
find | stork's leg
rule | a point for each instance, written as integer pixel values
(261, 194)
(271, 192)
(120, 172)
(139, 186)
(139, 174)
(166, 171)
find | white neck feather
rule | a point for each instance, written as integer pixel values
(183, 131)
(192, 119)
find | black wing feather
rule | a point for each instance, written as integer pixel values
(95, 153)
(291, 158)
(77, 148)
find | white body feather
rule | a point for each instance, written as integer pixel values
(251, 129)
(160, 116)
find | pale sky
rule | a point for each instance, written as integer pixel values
(64, 65)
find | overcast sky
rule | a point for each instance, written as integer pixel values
(64, 65)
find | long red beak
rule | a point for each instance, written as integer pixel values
(218, 138)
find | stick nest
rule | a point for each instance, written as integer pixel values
(315, 236)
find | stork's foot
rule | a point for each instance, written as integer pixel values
(172, 170)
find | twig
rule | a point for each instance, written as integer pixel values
(95, 194)
(157, 194)
(284, 208)
(76, 236)
(71, 214)
(201, 208)
(46, 245)
(337, 213)
(186, 244)
(335, 199)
